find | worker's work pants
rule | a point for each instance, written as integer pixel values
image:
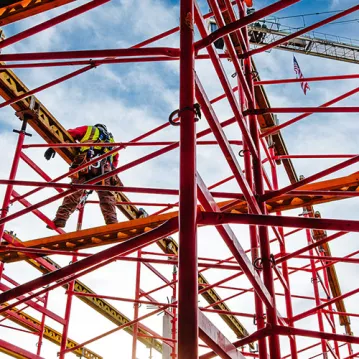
(107, 201)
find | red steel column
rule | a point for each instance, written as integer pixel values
(7, 198)
(65, 330)
(136, 306)
(274, 345)
(287, 293)
(259, 316)
(70, 291)
(330, 307)
(42, 326)
(188, 272)
(174, 312)
(14, 167)
(316, 291)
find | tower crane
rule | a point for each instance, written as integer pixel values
(313, 43)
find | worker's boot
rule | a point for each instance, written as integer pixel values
(112, 222)
(59, 223)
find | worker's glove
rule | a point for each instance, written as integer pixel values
(50, 153)
(115, 181)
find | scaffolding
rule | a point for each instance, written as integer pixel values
(191, 330)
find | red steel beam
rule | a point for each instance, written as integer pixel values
(96, 63)
(62, 55)
(233, 244)
(224, 81)
(214, 218)
(226, 30)
(216, 340)
(354, 355)
(302, 350)
(109, 174)
(36, 306)
(259, 334)
(313, 245)
(231, 50)
(38, 170)
(306, 79)
(323, 305)
(113, 330)
(281, 330)
(13, 282)
(122, 144)
(310, 110)
(15, 349)
(329, 263)
(336, 259)
(173, 192)
(46, 86)
(225, 147)
(341, 313)
(52, 22)
(275, 129)
(314, 156)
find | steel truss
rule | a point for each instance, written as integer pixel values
(259, 205)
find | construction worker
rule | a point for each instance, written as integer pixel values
(89, 134)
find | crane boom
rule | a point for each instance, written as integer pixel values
(314, 43)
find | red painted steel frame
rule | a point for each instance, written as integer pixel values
(188, 319)
(188, 270)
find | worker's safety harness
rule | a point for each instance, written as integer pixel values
(88, 154)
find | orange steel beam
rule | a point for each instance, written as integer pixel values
(92, 237)
(287, 202)
(114, 233)
(19, 10)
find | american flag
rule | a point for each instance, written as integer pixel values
(304, 85)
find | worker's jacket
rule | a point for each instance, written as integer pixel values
(91, 134)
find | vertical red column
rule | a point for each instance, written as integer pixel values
(259, 316)
(136, 306)
(188, 271)
(330, 307)
(274, 346)
(65, 329)
(174, 312)
(287, 292)
(15, 164)
(316, 291)
(42, 326)
(14, 167)
(70, 290)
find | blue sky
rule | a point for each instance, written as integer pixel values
(132, 99)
